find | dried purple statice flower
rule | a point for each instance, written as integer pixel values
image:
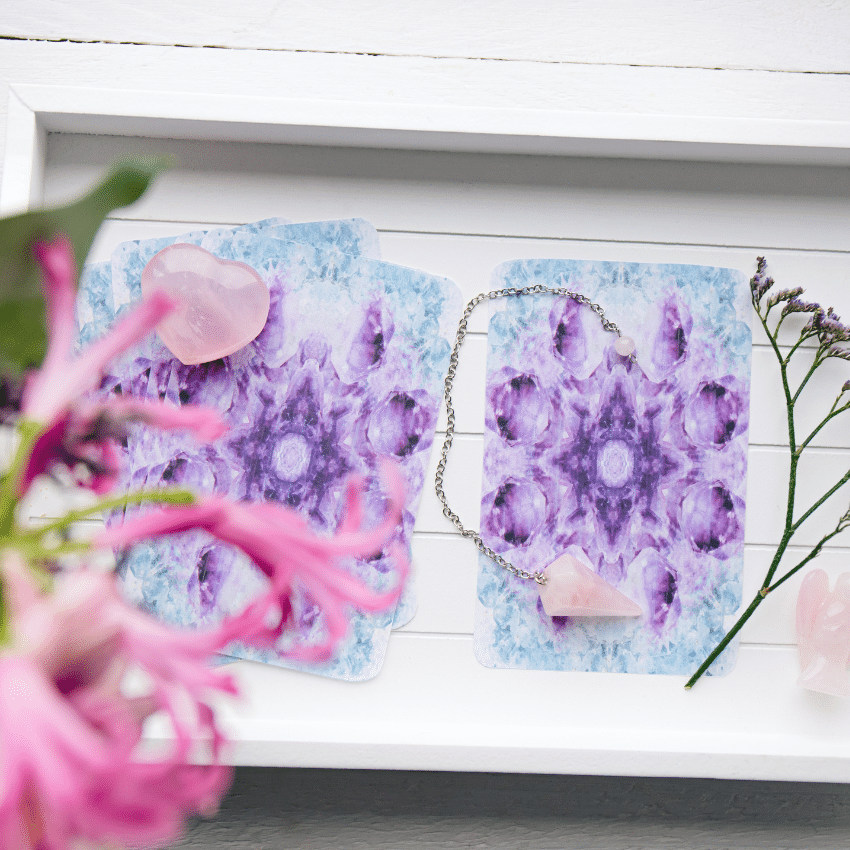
(784, 295)
(830, 331)
(797, 306)
(759, 282)
(710, 513)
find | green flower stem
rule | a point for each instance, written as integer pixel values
(791, 525)
(835, 411)
(163, 497)
(73, 547)
(815, 364)
(792, 471)
(843, 523)
(811, 556)
(783, 371)
(832, 490)
(777, 558)
(804, 337)
(30, 542)
(10, 484)
(4, 620)
(726, 640)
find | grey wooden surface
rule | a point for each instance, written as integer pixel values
(272, 808)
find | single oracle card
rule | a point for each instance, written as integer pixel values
(347, 370)
(634, 466)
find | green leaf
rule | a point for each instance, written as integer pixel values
(4, 620)
(23, 335)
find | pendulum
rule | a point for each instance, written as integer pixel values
(568, 588)
(574, 590)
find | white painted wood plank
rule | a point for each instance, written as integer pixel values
(402, 80)
(434, 707)
(768, 416)
(471, 129)
(25, 154)
(462, 484)
(415, 82)
(767, 483)
(580, 199)
(774, 622)
(469, 260)
(428, 677)
(447, 568)
(791, 36)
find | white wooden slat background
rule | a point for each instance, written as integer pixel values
(460, 215)
(751, 34)
(721, 59)
(684, 96)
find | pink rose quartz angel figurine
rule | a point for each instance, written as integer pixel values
(823, 633)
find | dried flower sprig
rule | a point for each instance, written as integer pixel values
(827, 334)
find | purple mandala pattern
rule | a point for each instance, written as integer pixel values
(297, 432)
(639, 473)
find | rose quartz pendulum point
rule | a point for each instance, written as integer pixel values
(574, 590)
(223, 304)
(624, 346)
(823, 634)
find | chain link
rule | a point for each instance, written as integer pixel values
(537, 289)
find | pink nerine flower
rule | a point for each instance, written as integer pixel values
(70, 769)
(68, 735)
(77, 434)
(284, 547)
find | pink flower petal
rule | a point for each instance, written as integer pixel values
(68, 737)
(206, 514)
(56, 743)
(52, 390)
(282, 545)
(59, 272)
(206, 424)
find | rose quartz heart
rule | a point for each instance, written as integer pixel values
(224, 304)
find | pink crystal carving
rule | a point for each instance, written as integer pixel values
(574, 590)
(224, 304)
(823, 633)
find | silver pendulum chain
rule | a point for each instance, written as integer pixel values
(537, 289)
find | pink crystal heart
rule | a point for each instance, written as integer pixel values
(223, 304)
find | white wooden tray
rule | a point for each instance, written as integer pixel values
(475, 187)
